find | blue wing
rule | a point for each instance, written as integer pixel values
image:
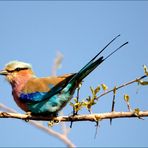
(31, 97)
(40, 89)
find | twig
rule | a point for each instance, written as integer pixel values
(129, 106)
(121, 86)
(57, 62)
(113, 103)
(64, 128)
(61, 137)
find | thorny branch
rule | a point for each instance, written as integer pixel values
(86, 117)
(57, 63)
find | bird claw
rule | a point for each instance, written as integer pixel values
(28, 115)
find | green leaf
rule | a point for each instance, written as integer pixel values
(97, 90)
(104, 87)
(126, 98)
(143, 82)
(92, 90)
(52, 123)
(145, 69)
(75, 99)
(136, 111)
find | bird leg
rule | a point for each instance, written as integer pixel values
(29, 114)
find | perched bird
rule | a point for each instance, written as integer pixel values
(46, 95)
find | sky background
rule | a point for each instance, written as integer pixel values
(35, 31)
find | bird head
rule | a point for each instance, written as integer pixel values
(16, 70)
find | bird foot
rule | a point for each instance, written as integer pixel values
(28, 115)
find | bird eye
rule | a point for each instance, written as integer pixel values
(17, 69)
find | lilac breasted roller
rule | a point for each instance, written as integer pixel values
(46, 95)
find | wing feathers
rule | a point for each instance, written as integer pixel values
(37, 88)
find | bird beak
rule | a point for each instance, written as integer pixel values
(3, 72)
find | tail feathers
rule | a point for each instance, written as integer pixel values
(86, 70)
(92, 60)
(92, 64)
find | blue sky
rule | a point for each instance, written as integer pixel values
(34, 31)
